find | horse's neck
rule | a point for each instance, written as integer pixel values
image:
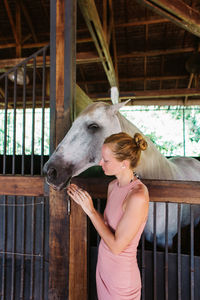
(153, 164)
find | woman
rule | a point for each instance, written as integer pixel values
(125, 215)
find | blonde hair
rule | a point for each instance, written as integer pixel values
(125, 147)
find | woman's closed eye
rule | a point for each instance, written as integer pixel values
(105, 160)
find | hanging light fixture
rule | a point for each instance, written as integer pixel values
(20, 76)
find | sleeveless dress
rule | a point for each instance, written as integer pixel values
(118, 276)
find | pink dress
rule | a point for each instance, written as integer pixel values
(118, 276)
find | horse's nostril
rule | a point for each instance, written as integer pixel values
(52, 174)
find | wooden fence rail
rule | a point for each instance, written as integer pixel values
(160, 190)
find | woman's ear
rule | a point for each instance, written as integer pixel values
(126, 163)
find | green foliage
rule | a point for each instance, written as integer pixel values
(16, 133)
(174, 130)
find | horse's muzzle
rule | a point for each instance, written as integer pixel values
(57, 175)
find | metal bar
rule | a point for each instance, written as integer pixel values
(53, 76)
(24, 121)
(33, 117)
(5, 125)
(43, 108)
(154, 253)
(3, 296)
(166, 252)
(42, 252)
(22, 250)
(183, 131)
(143, 267)
(14, 122)
(192, 252)
(23, 62)
(13, 250)
(32, 248)
(179, 251)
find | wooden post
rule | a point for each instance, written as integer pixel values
(62, 94)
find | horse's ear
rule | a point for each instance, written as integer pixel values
(115, 107)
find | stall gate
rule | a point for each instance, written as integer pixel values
(166, 274)
(24, 212)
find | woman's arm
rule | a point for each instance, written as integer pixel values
(135, 214)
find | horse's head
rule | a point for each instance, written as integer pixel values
(81, 147)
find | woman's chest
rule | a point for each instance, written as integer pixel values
(114, 209)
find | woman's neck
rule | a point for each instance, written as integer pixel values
(125, 177)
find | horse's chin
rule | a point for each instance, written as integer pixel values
(61, 186)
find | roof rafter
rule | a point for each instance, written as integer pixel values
(178, 12)
(28, 20)
(12, 23)
(155, 94)
(90, 14)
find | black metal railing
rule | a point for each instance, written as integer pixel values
(24, 221)
(166, 273)
(24, 92)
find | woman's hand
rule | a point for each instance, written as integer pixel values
(82, 198)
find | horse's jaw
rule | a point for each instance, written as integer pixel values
(61, 186)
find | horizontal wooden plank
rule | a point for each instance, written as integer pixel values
(159, 190)
(22, 185)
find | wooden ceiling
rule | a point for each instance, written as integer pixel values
(149, 49)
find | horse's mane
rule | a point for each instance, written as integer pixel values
(153, 164)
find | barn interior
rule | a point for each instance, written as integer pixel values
(148, 49)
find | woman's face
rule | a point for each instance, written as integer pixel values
(109, 164)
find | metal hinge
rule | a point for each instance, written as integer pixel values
(68, 205)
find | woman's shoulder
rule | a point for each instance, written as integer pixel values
(140, 191)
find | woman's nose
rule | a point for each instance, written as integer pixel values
(100, 162)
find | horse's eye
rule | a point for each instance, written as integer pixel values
(93, 126)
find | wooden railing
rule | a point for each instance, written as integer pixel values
(159, 190)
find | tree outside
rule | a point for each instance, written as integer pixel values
(175, 130)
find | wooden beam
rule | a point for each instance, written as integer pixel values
(24, 46)
(18, 30)
(90, 14)
(10, 17)
(159, 190)
(28, 20)
(22, 185)
(178, 12)
(141, 78)
(86, 57)
(142, 23)
(154, 20)
(81, 58)
(114, 38)
(35, 45)
(82, 100)
(166, 93)
(84, 40)
(58, 203)
(105, 16)
(153, 94)
(78, 287)
(189, 86)
(156, 52)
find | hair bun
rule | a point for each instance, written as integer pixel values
(140, 141)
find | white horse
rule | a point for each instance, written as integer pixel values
(81, 149)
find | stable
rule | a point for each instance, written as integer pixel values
(111, 51)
